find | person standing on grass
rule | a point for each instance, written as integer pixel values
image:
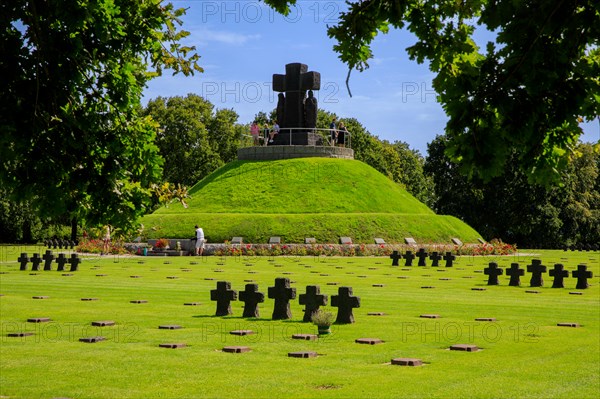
(255, 131)
(106, 239)
(199, 240)
(333, 132)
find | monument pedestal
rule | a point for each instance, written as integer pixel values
(298, 138)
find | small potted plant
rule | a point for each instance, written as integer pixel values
(323, 320)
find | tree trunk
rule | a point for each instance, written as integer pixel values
(74, 229)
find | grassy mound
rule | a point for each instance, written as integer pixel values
(297, 198)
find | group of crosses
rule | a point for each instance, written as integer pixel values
(282, 293)
(435, 258)
(48, 258)
(60, 244)
(537, 269)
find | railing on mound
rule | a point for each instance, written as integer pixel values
(327, 136)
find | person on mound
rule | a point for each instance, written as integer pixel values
(342, 133)
(274, 132)
(255, 131)
(199, 240)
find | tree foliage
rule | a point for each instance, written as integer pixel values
(72, 142)
(193, 138)
(511, 208)
(521, 98)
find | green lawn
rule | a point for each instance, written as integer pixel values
(524, 353)
(297, 198)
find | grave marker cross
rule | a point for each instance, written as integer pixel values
(345, 302)
(435, 259)
(422, 255)
(35, 262)
(282, 293)
(559, 275)
(449, 258)
(61, 260)
(395, 257)
(536, 269)
(48, 258)
(515, 275)
(74, 261)
(223, 295)
(311, 300)
(23, 259)
(408, 257)
(582, 274)
(493, 271)
(251, 298)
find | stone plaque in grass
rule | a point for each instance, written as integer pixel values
(405, 361)
(339, 267)
(575, 293)
(172, 277)
(139, 301)
(445, 279)
(135, 276)
(91, 340)
(170, 327)
(241, 332)
(464, 348)
(427, 287)
(193, 263)
(89, 299)
(568, 325)
(172, 345)
(20, 334)
(430, 316)
(368, 341)
(41, 297)
(378, 285)
(67, 274)
(332, 283)
(192, 304)
(306, 354)
(306, 337)
(485, 319)
(38, 320)
(372, 268)
(236, 349)
(532, 292)
(209, 278)
(101, 275)
(103, 323)
(477, 289)
(375, 314)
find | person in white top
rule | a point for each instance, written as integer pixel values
(199, 240)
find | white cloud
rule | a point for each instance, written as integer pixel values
(206, 36)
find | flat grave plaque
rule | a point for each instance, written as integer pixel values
(464, 348)
(375, 314)
(89, 299)
(477, 289)
(404, 361)
(430, 316)
(410, 241)
(172, 345)
(241, 332)
(345, 240)
(379, 241)
(170, 327)
(38, 320)
(91, 340)
(368, 341)
(139, 301)
(568, 325)
(236, 349)
(306, 337)
(304, 355)
(41, 297)
(103, 323)
(485, 319)
(192, 304)
(20, 334)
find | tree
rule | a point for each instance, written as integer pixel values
(521, 99)
(72, 142)
(513, 209)
(193, 139)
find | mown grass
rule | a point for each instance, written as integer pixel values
(298, 198)
(524, 353)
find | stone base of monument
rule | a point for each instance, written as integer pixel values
(297, 138)
(274, 152)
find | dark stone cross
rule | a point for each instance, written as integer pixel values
(61, 260)
(223, 295)
(311, 300)
(422, 255)
(493, 271)
(251, 298)
(515, 275)
(536, 269)
(282, 293)
(74, 261)
(345, 302)
(435, 259)
(582, 274)
(449, 258)
(408, 257)
(296, 81)
(48, 258)
(23, 259)
(36, 261)
(395, 257)
(559, 275)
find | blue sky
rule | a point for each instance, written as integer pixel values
(242, 43)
